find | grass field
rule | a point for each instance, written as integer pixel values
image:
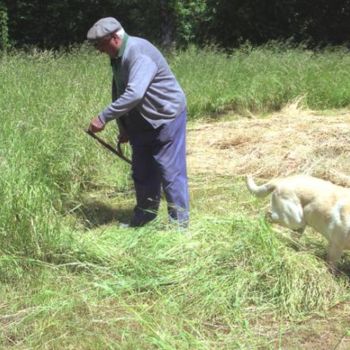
(72, 279)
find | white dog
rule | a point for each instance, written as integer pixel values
(300, 200)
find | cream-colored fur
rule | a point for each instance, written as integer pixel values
(301, 200)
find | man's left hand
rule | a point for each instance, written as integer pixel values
(96, 125)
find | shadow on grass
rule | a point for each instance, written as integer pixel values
(344, 264)
(93, 214)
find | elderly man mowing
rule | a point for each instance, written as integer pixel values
(150, 109)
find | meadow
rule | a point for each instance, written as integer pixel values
(71, 278)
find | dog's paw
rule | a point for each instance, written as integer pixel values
(271, 217)
(268, 215)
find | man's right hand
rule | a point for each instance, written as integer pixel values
(96, 125)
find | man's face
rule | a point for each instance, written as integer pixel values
(110, 45)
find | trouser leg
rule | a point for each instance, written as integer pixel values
(147, 182)
(159, 158)
(170, 154)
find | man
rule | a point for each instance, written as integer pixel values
(150, 108)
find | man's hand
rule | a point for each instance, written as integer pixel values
(96, 125)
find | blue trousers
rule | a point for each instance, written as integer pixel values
(159, 161)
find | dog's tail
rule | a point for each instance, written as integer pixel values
(259, 191)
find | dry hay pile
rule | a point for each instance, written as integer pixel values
(288, 142)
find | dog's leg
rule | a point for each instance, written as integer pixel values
(334, 253)
(270, 216)
(273, 215)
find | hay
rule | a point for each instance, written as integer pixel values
(288, 142)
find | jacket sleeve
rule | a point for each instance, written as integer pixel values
(119, 121)
(141, 72)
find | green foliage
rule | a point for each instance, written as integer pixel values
(62, 23)
(227, 23)
(316, 22)
(190, 18)
(4, 36)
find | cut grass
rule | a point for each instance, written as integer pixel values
(218, 285)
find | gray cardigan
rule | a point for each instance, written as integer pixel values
(148, 85)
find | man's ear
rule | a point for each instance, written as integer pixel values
(116, 37)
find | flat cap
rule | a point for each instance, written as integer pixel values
(103, 27)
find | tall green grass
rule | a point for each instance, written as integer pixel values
(263, 79)
(47, 100)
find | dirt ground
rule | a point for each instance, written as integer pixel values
(288, 142)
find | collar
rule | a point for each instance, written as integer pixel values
(122, 47)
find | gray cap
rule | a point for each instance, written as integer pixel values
(103, 27)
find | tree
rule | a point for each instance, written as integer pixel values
(52, 24)
(4, 36)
